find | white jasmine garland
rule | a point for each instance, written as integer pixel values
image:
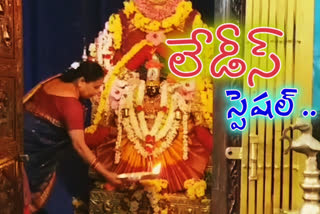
(99, 46)
(164, 128)
(103, 46)
(185, 118)
(133, 138)
(133, 119)
(119, 138)
(169, 120)
(119, 128)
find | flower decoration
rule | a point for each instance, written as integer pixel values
(139, 108)
(134, 206)
(156, 38)
(206, 95)
(164, 109)
(165, 127)
(115, 27)
(93, 50)
(153, 11)
(195, 188)
(187, 90)
(110, 79)
(138, 195)
(117, 91)
(142, 194)
(179, 15)
(198, 23)
(153, 189)
(75, 65)
(150, 139)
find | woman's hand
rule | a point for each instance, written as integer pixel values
(77, 137)
(112, 178)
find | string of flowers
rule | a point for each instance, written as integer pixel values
(139, 194)
(134, 132)
(115, 27)
(185, 142)
(102, 49)
(112, 76)
(153, 11)
(185, 108)
(153, 188)
(171, 113)
(133, 138)
(169, 128)
(206, 95)
(133, 119)
(195, 188)
(119, 135)
(145, 24)
(198, 23)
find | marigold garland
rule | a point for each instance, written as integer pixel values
(204, 83)
(115, 27)
(206, 96)
(153, 188)
(195, 188)
(145, 24)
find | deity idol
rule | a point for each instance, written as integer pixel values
(159, 118)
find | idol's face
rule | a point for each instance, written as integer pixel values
(153, 91)
(157, 2)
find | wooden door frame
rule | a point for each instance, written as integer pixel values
(11, 88)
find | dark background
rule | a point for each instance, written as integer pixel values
(54, 32)
(53, 39)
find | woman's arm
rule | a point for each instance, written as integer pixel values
(78, 142)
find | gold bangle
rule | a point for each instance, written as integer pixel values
(94, 163)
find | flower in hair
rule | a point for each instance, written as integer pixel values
(75, 65)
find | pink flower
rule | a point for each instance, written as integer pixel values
(156, 38)
(117, 91)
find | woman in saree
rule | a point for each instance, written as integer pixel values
(54, 119)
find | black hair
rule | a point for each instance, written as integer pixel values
(90, 71)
